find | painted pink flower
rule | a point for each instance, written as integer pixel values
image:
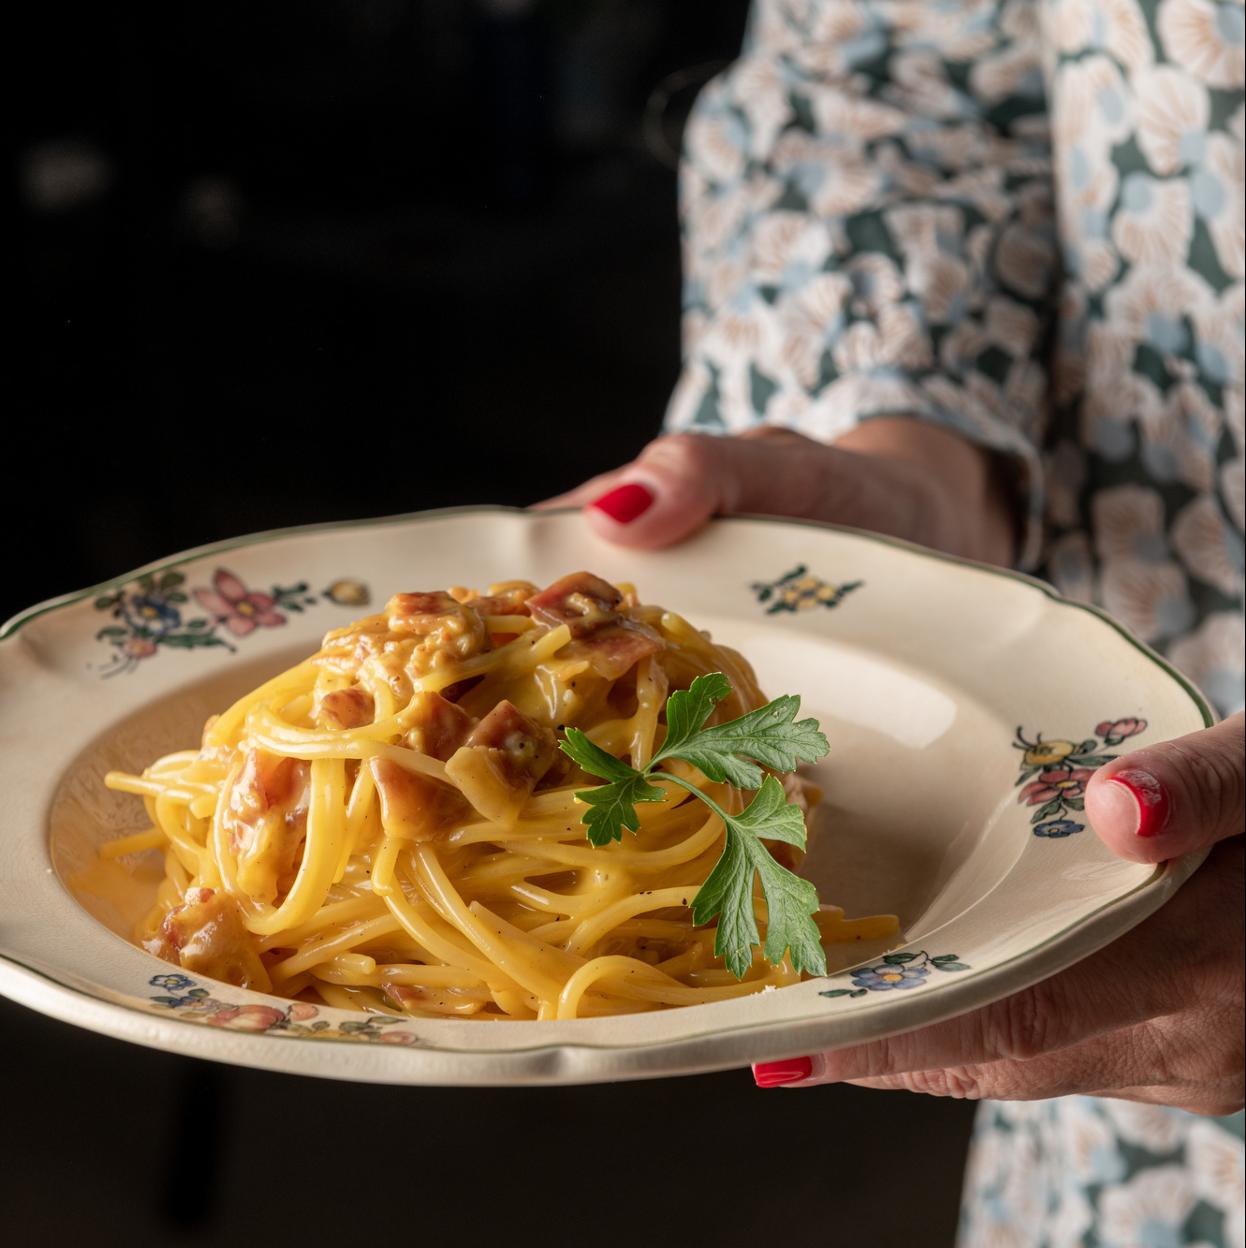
(396, 1037)
(138, 647)
(1119, 729)
(301, 1011)
(240, 609)
(1056, 784)
(247, 1017)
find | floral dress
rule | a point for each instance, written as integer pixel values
(1021, 220)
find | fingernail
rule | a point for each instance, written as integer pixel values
(776, 1074)
(1149, 798)
(625, 502)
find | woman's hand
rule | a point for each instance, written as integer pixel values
(893, 475)
(1157, 1015)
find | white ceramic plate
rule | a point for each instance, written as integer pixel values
(964, 706)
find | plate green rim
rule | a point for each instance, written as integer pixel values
(12, 626)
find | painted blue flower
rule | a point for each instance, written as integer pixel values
(1057, 827)
(174, 983)
(150, 615)
(886, 975)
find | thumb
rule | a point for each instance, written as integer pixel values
(678, 482)
(1168, 799)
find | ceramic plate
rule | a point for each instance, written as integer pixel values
(965, 708)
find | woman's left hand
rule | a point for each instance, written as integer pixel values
(1157, 1015)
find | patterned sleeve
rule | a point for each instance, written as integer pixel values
(866, 206)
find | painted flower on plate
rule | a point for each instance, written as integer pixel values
(1114, 731)
(149, 614)
(241, 610)
(173, 982)
(884, 976)
(394, 1037)
(1043, 753)
(246, 1017)
(138, 647)
(347, 592)
(1064, 783)
(1056, 828)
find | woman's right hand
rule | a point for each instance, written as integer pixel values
(896, 476)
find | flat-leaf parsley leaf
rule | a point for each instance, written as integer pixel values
(729, 753)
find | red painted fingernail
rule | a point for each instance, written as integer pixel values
(1151, 797)
(625, 502)
(776, 1074)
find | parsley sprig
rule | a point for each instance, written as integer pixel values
(734, 753)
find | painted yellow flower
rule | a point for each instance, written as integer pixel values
(348, 593)
(1044, 753)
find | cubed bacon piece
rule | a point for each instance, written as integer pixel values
(448, 628)
(438, 727)
(421, 613)
(501, 762)
(508, 598)
(614, 649)
(265, 818)
(268, 780)
(206, 934)
(582, 601)
(803, 794)
(413, 806)
(347, 708)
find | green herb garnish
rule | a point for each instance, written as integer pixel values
(769, 736)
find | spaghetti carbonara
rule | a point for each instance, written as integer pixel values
(389, 825)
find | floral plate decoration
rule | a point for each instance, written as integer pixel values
(938, 807)
(152, 611)
(1055, 774)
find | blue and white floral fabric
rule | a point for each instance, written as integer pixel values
(1113, 1174)
(1021, 220)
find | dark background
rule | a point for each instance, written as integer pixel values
(273, 259)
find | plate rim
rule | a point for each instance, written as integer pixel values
(10, 627)
(256, 1051)
(1139, 902)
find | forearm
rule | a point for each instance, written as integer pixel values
(861, 240)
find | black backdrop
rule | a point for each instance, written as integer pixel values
(274, 258)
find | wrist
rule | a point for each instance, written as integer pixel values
(944, 491)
